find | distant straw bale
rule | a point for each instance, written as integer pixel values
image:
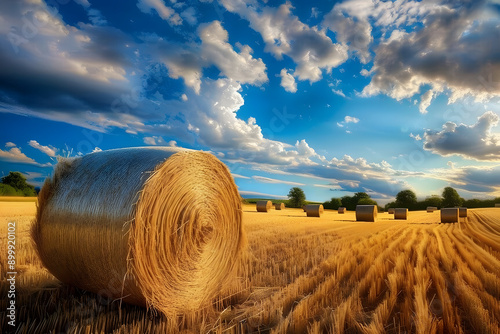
(279, 206)
(342, 210)
(314, 210)
(264, 206)
(450, 215)
(431, 209)
(366, 213)
(390, 211)
(401, 213)
(462, 212)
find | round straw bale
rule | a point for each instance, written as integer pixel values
(264, 206)
(401, 213)
(304, 208)
(431, 208)
(342, 209)
(497, 205)
(390, 211)
(156, 227)
(366, 213)
(314, 210)
(279, 206)
(462, 212)
(449, 215)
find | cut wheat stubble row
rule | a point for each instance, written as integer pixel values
(155, 227)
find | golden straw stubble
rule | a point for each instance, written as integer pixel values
(157, 227)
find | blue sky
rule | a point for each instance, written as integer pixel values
(333, 97)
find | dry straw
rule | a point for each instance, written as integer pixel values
(462, 212)
(264, 206)
(401, 213)
(497, 205)
(279, 206)
(156, 227)
(390, 211)
(366, 213)
(314, 210)
(449, 215)
(431, 209)
(341, 209)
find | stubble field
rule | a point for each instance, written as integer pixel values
(298, 274)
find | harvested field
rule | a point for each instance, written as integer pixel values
(330, 274)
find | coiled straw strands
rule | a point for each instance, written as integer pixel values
(279, 206)
(449, 215)
(401, 213)
(366, 213)
(431, 208)
(390, 211)
(156, 227)
(314, 210)
(462, 212)
(264, 206)
(341, 209)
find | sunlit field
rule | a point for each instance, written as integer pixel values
(298, 275)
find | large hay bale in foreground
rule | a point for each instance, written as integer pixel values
(401, 213)
(462, 212)
(341, 210)
(431, 209)
(366, 213)
(264, 206)
(279, 206)
(314, 210)
(155, 227)
(390, 211)
(450, 215)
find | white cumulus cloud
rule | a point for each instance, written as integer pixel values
(288, 81)
(474, 141)
(50, 151)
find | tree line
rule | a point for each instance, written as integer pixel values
(449, 198)
(404, 199)
(15, 184)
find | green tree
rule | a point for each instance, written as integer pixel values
(333, 204)
(17, 181)
(296, 197)
(6, 190)
(406, 199)
(390, 205)
(367, 201)
(348, 202)
(359, 196)
(433, 200)
(451, 198)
